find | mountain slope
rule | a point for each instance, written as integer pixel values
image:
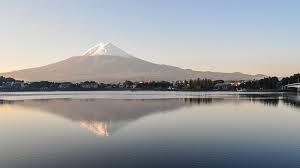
(105, 62)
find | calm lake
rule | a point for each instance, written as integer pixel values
(149, 129)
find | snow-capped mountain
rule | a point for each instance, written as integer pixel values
(106, 49)
(108, 63)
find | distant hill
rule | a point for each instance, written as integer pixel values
(106, 62)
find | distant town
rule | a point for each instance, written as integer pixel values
(266, 84)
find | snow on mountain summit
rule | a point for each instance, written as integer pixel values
(106, 49)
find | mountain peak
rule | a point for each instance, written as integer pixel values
(106, 49)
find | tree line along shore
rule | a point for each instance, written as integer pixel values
(265, 84)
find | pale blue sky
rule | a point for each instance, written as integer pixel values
(250, 36)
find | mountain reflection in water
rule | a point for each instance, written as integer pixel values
(106, 116)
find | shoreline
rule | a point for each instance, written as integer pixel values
(141, 90)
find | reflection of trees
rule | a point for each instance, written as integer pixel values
(137, 107)
(199, 100)
(4, 102)
(274, 99)
(292, 102)
(266, 99)
(271, 102)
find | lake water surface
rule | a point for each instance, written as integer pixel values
(149, 129)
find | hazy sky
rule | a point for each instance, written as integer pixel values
(250, 36)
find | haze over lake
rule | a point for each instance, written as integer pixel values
(149, 129)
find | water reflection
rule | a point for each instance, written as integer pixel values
(105, 116)
(101, 116)
(99, 128)
(292, 100)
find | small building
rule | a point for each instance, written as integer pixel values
(223, 86)
(89, 85)
(235, 83)
(65, 85)
(121, 85)
(18, 85)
